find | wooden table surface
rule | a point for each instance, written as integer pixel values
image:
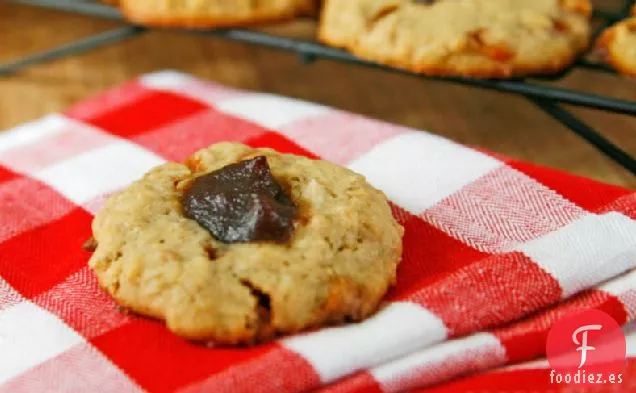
(496, 121)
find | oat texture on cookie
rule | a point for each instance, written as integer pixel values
(479, 38)
(337, 265)
(618, 45)
(213, 13)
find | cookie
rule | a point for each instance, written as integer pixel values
(474, 38)
(618, 45)
(157, 257)
(212, 13)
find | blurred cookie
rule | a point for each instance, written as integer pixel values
(240, 245)
(212, 13)
(477, 38)
(618, 45)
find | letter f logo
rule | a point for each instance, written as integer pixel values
(583, 344)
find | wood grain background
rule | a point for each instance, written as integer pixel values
(496, 121)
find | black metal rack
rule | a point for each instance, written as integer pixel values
(546, 98)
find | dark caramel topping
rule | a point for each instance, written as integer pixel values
(90, 245)
(241, 202)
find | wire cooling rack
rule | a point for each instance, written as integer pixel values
(547, 98)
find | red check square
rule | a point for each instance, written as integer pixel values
(150, 112)
(178, 140)
(280, 143)
(146, 349)
(40, 258)
(26, 203)
(429, 254)
(6, 175)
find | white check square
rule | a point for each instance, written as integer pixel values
(397, 329)
(416, 170)
(32, 131)
(422, 368)
(29, 335)
(80, 369)
(587, 251)
(270, 111)
(99, 171)
(166, 80)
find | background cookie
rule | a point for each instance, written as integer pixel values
(485, 38)
(338, 265)
(212, 13)
(618, 44)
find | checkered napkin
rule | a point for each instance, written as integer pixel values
(495, 251)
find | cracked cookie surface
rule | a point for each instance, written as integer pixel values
(337, 266)
(213, 13)
(478, 38)
(618, 44)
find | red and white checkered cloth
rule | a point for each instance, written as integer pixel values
(489, 241)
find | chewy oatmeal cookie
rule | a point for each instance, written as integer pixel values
(157, 256)
(477, 38)
(213, 13)
(618, 44)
